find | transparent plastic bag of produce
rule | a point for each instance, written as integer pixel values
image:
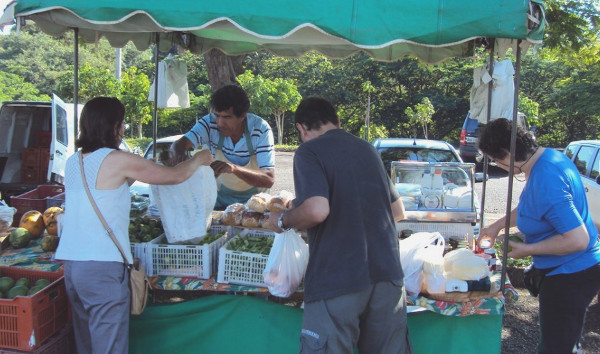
(6, 216)
(413, 249)
(286, 263)
(185, 209)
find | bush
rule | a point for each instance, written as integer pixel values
(287, 148)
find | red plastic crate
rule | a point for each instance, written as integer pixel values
(35, 199)
(27, 321)
(62, 342)
(30, 157)
(43, 138)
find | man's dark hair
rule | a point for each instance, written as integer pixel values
(97, 127)
(312, 112)
(230, 96)
(495, 140)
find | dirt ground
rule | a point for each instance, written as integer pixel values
(520, 328)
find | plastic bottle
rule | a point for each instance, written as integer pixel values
(425, 187)
(437, 187)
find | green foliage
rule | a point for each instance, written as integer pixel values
(421, 115)
(512, 262)
(93, 82)
(271, 97)
(139, 143)
(285, 147)
(134, 95)
(13, 88)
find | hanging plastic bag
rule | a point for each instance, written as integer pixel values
(186, 208)
(286, 264)
(434, 281)
(6, 216)
(412, 253)
(463, 264)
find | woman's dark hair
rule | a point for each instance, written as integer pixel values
(313, 112)
(230, 96)
(97, 127)
(495, 140)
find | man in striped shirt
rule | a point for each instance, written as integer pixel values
(241, 143)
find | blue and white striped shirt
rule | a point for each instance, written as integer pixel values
(205, 131)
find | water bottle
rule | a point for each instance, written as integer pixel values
(437, 187)
(426, 180)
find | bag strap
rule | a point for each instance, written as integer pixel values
(95, 206)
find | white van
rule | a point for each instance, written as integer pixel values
(20, 125)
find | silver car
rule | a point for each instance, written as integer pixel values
(586, 156)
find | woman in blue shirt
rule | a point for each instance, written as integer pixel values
(559, 233)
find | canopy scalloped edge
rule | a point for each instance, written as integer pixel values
(224, 33)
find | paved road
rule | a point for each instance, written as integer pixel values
(495, 196)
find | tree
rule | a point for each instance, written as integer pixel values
(274, 97)
(134, 95)
(421, 114)
(222, 69)
(93, 82)
(13, 88)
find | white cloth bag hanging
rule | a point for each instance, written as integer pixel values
(503, 90)
(172, 85)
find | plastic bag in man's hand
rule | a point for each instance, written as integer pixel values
(286, 264)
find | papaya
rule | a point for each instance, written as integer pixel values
(18, 290)
(50, 220)
(6, 283)
(23, 281)
(35, 289)
(33, 221)
(42, 282)
(49, 243)
(19, 237)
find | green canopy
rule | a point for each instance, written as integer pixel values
(431, 30)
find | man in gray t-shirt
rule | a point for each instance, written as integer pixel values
(353, 288)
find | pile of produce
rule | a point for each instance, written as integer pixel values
(251, 244)
(206, 240)
(144, 229)
(9, 288)
(32, 226)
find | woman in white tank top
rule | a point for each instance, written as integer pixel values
(95, 276)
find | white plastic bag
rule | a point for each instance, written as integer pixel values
(185, 209)
(463, 264)
(6, 216)
(286, 264)
(412, 253)
(434, 281)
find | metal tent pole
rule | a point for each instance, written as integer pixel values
(513, 144)
(489, 113)
(154, 114)
(76, 81)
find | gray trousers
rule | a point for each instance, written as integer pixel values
(99, 296)
(373, 319)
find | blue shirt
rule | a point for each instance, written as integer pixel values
(205, 131)
(554, 202)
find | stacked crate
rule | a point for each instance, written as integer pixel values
(34, 161)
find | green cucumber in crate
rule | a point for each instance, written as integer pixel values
(208, 239)
(144, 229)
(251, 244)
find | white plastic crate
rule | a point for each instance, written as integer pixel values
(139, 250)
(449, 230)
(199, 261)
(242, 268)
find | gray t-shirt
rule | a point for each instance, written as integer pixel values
(356, 245)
